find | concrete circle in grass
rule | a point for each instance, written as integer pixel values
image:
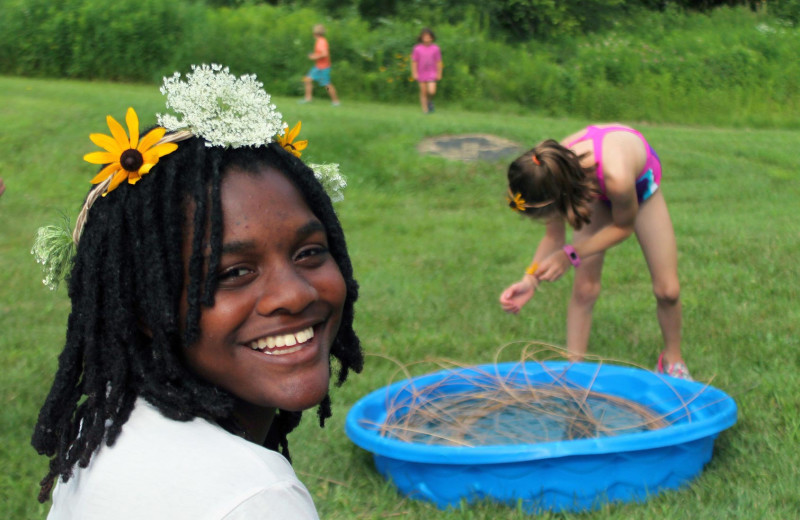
(469, 147)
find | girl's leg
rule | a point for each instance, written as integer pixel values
(585, 288)
(431, 94)
(431, 89)
(423, 96)
(656, 237)
(332, 92)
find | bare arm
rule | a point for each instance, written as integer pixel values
(624, 208)
(553, 239)
(619, 167)
(515, 296)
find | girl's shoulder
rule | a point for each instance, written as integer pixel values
(622, 138)
(599, 132)
(193, 462)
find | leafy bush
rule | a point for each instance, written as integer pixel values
(121, 40)
(662, 66)
(787, 10)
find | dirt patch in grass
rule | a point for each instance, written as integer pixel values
(470, 147)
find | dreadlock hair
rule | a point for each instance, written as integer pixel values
(124, 337)
(551, 172)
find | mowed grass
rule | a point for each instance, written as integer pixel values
(433, 244)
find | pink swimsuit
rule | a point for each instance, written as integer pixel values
(648, 180)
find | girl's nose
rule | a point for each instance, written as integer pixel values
(286, 291)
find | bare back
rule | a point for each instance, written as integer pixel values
(623, 156)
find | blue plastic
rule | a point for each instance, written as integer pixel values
(571, 475)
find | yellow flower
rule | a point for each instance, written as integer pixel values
(127, 158)
(286, 140)
(517, 203)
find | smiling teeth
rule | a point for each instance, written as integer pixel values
(284, 340)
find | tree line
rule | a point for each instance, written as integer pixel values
(517, 20)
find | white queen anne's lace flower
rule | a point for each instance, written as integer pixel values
(54, 248)
(328, 175)
(220, 108)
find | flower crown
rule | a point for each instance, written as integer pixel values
(211, 104)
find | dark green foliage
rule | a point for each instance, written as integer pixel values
(707, 5)
(788, 10)
(121, 40)
(549, 20)
(603, 60)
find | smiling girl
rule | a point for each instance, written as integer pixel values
(210, 287)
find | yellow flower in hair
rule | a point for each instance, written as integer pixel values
(127, 158)
(517, 203)
(286, 140)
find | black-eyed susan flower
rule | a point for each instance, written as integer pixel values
(286, 140)
(127, 157)
(517, 203)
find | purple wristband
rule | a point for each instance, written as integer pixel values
(574, 259)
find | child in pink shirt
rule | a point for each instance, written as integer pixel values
(426, 68)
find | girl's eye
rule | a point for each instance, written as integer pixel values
(312, 255)
(233, 273)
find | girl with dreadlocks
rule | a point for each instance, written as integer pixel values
(603, 181)
(208, 292)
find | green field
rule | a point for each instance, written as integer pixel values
(433, 244)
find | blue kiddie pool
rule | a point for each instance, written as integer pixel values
(562, 470)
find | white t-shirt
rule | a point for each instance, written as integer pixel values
(164, 469)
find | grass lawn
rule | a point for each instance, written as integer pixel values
(433, 245)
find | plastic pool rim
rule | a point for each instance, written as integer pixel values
(702, 426)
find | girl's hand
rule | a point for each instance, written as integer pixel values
(554, 266)
(517, 295)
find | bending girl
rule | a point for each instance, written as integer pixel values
(603, 181)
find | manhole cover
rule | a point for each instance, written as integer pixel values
(469, 147)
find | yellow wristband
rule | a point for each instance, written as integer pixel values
(532, 268)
